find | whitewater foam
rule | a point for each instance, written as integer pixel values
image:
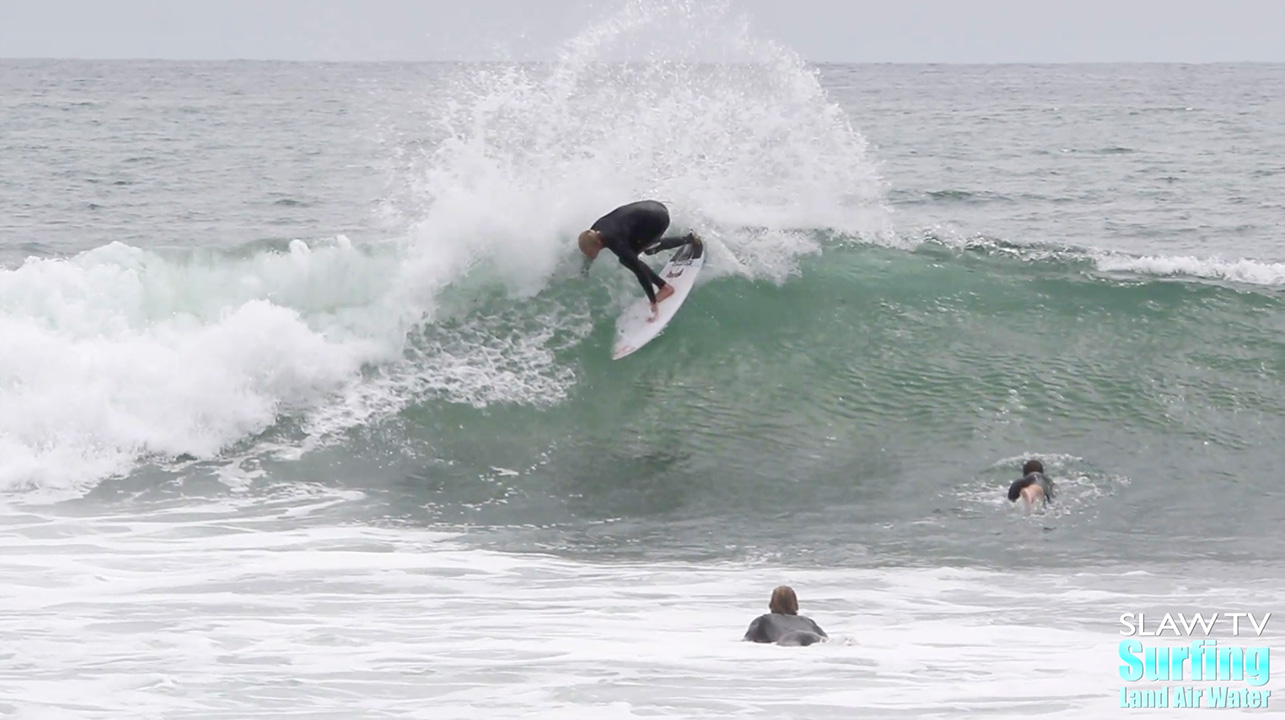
(1244, 270)
(207, 611)
(120, 354)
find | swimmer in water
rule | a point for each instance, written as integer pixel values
(784, 625)
(1034, 487)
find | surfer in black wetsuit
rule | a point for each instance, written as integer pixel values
(1034, 487)
(784, 625)
(632, 229)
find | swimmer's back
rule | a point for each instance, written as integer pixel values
(784, 630)
(1037, 479)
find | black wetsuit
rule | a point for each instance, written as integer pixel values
(634, 228)
(784, 630)
(1035, 478)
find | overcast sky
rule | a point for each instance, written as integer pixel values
(950, 31)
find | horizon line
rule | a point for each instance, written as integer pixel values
(47, 58)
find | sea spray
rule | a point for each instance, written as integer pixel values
(734, 133)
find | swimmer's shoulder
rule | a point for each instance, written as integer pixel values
(756, 631)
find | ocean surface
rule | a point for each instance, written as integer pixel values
(305, 412)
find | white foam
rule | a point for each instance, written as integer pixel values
(118, 354)
(259, 612)
(506, 358)
(1252, 272)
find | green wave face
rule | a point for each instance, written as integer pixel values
(873, 408)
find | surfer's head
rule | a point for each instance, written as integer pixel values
(590, 243)
(1032, 466)
(784, 601)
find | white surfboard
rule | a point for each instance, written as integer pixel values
(632, 328)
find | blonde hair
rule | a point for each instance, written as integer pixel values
(784, 601)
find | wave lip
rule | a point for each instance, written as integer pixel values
(1247, 271)
(1244, 270)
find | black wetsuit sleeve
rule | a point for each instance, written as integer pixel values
(1049, 489)
(818, 629)
(755, 632)
(646, 276)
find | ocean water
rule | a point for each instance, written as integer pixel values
(304, 410)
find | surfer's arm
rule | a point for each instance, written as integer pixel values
(1015, 490)
(755, 631)
(646, 276)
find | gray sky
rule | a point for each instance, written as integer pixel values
(951, 31)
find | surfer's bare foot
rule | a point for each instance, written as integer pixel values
(661, 296)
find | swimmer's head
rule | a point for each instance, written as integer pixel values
(784, 601)
(590, 243)
(1032, 466)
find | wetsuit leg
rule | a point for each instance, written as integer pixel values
(629, 258)
(668, 244)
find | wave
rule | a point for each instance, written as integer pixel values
(120, 357)
(119, 354)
